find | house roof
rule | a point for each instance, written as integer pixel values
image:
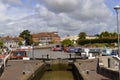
(45, 34)
(10, 38)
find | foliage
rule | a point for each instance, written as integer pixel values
(108, 35)
(20, 43)
(1, 43)
(104, 38)
(27, 37)
(52, 42)
(67, 42)
(82, 35)
(92, 41)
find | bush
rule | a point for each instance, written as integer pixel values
(93, 41)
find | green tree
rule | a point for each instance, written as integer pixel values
(105, 35)
(108, 35)
(97, 35)
(82, 35)
(27, 37)
(115, 35)
(67, 42)
(1, 43)
(20, 43)
(52, 42)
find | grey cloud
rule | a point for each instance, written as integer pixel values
(15, 2)
(62, 5)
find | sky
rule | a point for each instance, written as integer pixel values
(67, 17)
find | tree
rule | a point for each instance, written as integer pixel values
(27, 37)
(115, 35)
(20, 43)
(67, 42)
(105, 35)
(1, 43)
(97, 35)
(82, 35)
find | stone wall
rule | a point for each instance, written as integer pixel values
(111, 70)
(38, 73)
(76, 73)
(113, 75)
(113, 64)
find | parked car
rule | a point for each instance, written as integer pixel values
(106, 52)
(114, 52)
(74, 50)
(78, 50)
(95, 51)
(71, 50)
(57, 48)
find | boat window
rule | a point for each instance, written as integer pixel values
(16, 53)
(22, 53)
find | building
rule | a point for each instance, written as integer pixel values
(75, 37)
(10, 41)
(72, 38)
(91, 37)
(45, 38)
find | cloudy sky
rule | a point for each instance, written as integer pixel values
(68, 17)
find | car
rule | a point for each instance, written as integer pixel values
(57, 48)
(78, 50)
(106, 52)
(95, 51)
(74, 50)
(71, 50)
(114, 52)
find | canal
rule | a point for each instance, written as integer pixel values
(58, 70)
(57, 75)
(57, 67)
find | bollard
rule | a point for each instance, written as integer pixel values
(108, 62)
(70, 56)
(47, 56)
(87, 72)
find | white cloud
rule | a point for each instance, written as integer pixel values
(68, 17)
(91, 10)
(3, 9)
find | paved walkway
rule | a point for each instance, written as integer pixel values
(88, 68)
(15, 68)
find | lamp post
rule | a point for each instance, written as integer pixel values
(117, 8)
(33, 52)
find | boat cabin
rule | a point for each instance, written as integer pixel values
(18, 54)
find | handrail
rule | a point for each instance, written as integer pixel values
(116, 58)
(5, 59)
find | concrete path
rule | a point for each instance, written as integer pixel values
(14, 69)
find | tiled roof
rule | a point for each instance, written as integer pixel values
(53, 35)
(45, 34)
(10, 38)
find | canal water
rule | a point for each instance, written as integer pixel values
(58, 70)
(57, 75)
